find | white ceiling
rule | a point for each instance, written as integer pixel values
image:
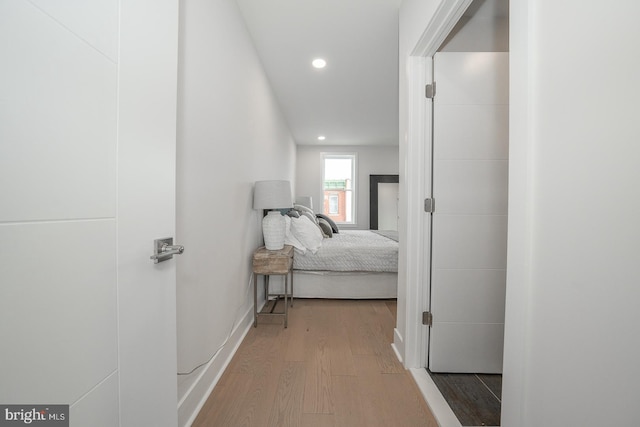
(354, 100)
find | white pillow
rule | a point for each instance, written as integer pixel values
(307, 232)
(303, 209)
(290, 239)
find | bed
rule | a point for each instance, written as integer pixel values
(345, 264)
(356, 264)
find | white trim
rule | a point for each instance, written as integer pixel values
(194, 399)
(416, 192)
(398, 345)
(444, 19)
(438, 406)
(520, 241)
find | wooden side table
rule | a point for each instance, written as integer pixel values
(269, 263)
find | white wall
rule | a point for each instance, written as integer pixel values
(572, 289)
(372, 160)
(484, 27)
(477, 34)
(571, 316)
(231, 133)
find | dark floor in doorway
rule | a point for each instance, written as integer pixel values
(474, 398)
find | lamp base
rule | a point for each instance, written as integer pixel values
(273, 228)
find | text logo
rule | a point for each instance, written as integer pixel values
(34, 415)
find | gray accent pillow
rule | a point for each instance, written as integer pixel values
(333, 225)
(293, 213)
(325, 227)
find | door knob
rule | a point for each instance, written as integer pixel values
(164, 249)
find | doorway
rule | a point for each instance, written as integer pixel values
(451, 21)
(383, 202)
(469, 224)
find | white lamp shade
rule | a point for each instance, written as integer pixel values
(272, 195)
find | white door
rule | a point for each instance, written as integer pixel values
(87, 171)
(470, 172)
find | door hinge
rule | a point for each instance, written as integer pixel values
(429, 205)
(430, 90)
(427, 318)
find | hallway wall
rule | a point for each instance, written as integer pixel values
(570, 258)
(231, 133)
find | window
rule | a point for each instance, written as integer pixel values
(338, 185)
(333, 204)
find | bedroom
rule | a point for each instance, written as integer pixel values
(102, 226)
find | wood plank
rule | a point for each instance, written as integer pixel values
(257, 403)
(340, 355)
(493, 383)
(318, 420)
(401, 408)
(225, 403)
(360, 337)
(380, 336)
(350, 407)
(296, 332)
(317, 389)
(287, 405)
(471, 402)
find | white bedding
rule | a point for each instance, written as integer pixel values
(351, 250)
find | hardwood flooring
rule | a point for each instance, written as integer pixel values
(332, 367)
(475, 399)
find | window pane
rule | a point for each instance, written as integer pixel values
(338, 187)
(333, 204)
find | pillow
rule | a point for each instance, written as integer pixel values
(311, 217)
(290, 239)
(325, 227)
(303, 209)
(333, 225)
(307, 233)
(293, 213)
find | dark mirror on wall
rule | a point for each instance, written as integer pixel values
(383, 202)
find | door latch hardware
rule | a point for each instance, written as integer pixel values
(164, 249)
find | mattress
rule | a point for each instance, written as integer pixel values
(351, 250)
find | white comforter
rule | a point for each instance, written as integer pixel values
(351, 250)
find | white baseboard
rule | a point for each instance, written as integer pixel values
(208, 376)
(398, 345)
(438, 406)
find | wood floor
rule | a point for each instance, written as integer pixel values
(475, 399)
(333, 366)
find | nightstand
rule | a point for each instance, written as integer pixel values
(270, 263)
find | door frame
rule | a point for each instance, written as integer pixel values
(418, 187)
(419, 143)
(374, 180)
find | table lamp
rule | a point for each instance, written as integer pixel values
(272, 195)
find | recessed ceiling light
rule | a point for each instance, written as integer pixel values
(319, 63)
(322, 138)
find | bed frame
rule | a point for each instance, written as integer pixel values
(341, 285)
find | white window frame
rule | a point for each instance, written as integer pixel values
(354, 182)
